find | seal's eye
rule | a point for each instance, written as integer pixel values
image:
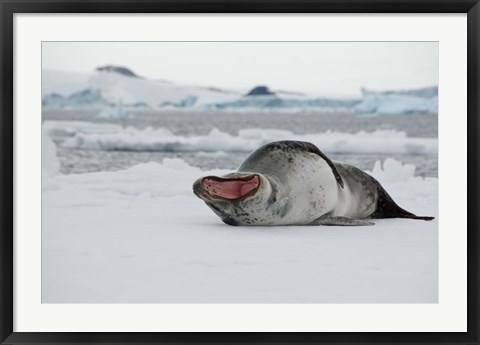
(230, 188)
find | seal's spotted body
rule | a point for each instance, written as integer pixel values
(294, 183)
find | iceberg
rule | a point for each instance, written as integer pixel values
(426, 92)
(417, 101)
(111, 85)
(89, 98)
(275, 102)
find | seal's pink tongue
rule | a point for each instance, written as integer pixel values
(230, 189)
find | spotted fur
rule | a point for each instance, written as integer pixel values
(299, 185)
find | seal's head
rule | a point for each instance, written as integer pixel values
(234, 197)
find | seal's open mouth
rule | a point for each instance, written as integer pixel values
(234, 188)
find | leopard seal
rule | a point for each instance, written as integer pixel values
(294, 183)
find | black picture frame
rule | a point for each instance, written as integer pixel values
(10, 7)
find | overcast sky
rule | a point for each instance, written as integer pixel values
(320, 68)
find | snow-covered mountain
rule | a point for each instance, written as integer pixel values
(114, 85)
(119, 87)
(63, 83)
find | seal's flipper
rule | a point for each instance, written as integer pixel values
(340, 221)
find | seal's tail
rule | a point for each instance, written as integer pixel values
(387, 208)
(396, 211)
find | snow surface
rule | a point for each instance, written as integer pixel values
(50, 161)
(392, 171)
(83, 135)
(61, 130)
(141, 236)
